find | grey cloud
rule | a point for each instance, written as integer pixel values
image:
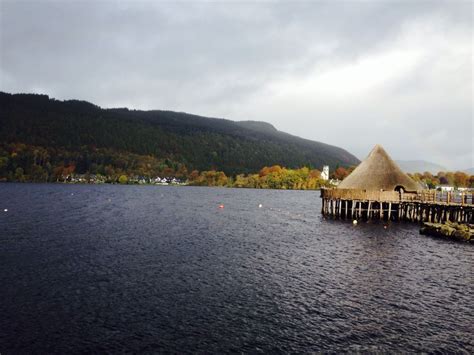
(227, 59)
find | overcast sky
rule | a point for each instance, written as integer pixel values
(351, 73)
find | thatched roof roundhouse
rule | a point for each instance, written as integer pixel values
(379, 172)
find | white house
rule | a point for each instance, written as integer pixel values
(445, 188)
(325, 173)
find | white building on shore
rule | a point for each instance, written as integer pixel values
(325, 173)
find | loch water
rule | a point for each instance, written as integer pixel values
(110, 268)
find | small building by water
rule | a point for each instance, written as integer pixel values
(379, 189)
(378, 172)
(445, 188)
(325, 173)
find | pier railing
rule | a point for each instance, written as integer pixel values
(433, 196)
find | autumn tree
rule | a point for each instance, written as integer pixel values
(340, 173)
(461, 179)
(123, 179)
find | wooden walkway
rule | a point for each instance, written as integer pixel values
(423, 206)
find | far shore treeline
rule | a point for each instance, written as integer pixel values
(26, 163)
(47, 140)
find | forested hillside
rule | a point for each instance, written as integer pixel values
(45, 137)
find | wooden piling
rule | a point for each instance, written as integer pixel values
(386, 205)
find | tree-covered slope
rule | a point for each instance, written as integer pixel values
(197, 142)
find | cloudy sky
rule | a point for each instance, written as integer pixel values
(350, 73)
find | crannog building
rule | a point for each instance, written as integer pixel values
(379, 189)
(378, 172)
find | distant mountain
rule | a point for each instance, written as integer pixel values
(419, 166)
(469, 171)
(78, 130)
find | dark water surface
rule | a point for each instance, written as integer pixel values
(163, 269)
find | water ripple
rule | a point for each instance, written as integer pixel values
(147, 269)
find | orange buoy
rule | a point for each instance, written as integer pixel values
(221, 206)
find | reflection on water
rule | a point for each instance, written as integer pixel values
(144, 268)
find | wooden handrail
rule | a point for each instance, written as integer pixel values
(451, 197)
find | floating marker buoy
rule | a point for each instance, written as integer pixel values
(260, 206)
(221, 206)
(354, 222)
(5, 210)
(384, 227)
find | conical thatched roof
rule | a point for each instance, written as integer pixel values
(378, 172)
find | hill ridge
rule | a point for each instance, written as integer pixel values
(198, 142)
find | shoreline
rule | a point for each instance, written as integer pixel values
(148, 184)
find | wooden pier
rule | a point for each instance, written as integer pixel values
(422, 206)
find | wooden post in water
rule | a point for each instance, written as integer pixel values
(422, 207)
